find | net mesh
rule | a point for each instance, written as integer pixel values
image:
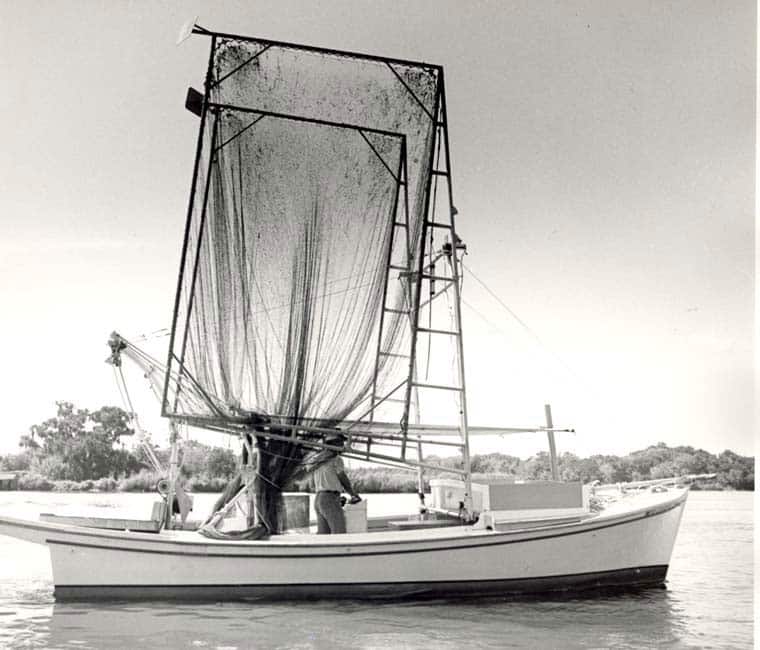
(291, 233)
(394, 97)
(285, 296)
(286, 272)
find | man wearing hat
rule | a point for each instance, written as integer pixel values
(329, 480)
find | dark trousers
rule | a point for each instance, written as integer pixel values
(330, 518)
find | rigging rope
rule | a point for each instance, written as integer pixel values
(521, 322)
(143, 438)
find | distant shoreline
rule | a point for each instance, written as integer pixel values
(209, 469)
(216, 486)
(93, 491)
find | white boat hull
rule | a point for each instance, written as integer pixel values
(630, 547)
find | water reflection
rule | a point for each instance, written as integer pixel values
(25, 620)
(645, 619)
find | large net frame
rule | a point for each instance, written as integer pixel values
(325, 88)
(285, 272)
(306, 250)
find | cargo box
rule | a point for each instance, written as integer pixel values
(507, 498)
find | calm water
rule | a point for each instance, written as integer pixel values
(707, 602)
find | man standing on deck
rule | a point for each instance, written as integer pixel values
(329, 478)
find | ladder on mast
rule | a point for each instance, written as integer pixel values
(425, 276)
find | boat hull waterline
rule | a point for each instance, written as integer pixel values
(627, 548)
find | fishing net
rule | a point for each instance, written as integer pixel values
(311, 189)
(375, 93)
(287, 267)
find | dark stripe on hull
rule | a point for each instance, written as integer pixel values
(633, 578)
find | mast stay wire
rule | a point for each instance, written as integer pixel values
(522, 324)
(142, 435)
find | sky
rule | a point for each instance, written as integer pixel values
(603, 170)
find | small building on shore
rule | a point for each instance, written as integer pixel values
(8, 480)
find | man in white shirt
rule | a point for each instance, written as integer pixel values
(329, 478)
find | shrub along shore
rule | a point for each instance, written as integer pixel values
(733, 472)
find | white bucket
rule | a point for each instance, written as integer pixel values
(356, 517)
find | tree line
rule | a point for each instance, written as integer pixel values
(82, 449)
(732, 470)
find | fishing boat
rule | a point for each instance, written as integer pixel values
(319, 293)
